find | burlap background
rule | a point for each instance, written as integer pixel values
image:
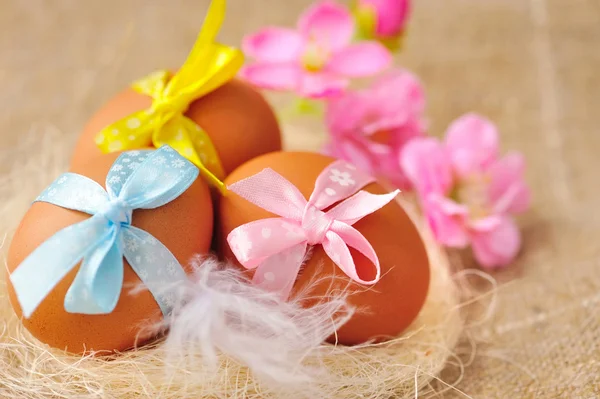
(531, 65)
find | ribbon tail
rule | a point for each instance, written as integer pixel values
(131, 132)
(209, 65)
(155, 265)
(278, 273)
(360, 205)
(186, 137)
(49, 263)
(220, 64)
(97, 286)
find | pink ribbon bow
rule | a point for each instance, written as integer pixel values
(276, 247)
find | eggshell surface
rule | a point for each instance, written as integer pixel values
(384, 309)
(236, 117)
(184, 226)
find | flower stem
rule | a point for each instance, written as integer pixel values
(302, 107)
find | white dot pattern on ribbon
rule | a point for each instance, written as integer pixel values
(115, 145)
(292, 231)
(160, 160)
(338, 181)
(172, 268)
(178, 163)
(158, 268)
(342, 178)
(269, 276)
(243, 244)
(266, 233)
(124, 166)
(131, 244)
(66, 192)
(143, 273)
(133, 123)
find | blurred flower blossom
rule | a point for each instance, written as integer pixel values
(468, 193)
(370, 127)
(316, 60)
(384, 20)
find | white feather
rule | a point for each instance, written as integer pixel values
(220, 311)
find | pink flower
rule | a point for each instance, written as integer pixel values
(317, 59)
(468, 193)
(383, 19)
(369, 128)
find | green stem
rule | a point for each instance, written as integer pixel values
(301, 107)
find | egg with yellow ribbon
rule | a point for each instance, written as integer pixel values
(212, 119)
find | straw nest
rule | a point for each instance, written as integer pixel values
(397, 369)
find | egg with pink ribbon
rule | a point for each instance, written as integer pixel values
(307, 223)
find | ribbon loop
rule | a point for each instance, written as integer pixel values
(276, 247)
(208, 66)
(336, 182)
(140, 179)
(273, 192)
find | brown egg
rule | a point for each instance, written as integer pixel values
(384, 309)
(184, 226)
(239, 121)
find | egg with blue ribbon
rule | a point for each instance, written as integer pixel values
(92, 238)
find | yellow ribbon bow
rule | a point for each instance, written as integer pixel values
(208, 66)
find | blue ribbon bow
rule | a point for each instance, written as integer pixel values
(137, 180)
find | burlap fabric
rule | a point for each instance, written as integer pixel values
(531, 65)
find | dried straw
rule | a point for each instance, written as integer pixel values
(402, 368)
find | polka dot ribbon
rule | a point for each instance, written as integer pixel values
(276, 247)
(137, 180)
(208, 66)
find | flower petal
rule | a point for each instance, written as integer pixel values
(508, 190)
(344, 114)
(352, 151)
(399, 99)
(388, 166)
(360, 60)
(321, 85)
(447, 220)
(472, 142)
(427, 166)
(495, 240)
(328, 23)
(391, 15)
(273, 45)
(274, 76)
